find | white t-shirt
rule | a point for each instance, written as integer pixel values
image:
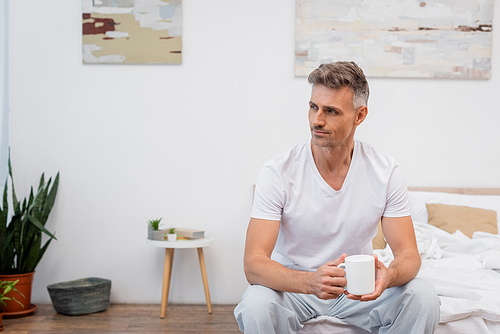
(318, 223)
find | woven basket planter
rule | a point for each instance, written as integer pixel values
(83, 296)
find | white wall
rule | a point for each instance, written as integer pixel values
(186, 142)
(4, 89)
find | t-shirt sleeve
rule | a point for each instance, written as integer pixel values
(269, 196)
(397, 195)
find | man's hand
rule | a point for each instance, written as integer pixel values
(328, 281)
(381, 283)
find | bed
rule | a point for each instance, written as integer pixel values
(458, 240)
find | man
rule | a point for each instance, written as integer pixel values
(321, 201)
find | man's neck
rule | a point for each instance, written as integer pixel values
(333, 162)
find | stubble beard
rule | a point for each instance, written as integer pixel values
(327, 140)
(322, 141)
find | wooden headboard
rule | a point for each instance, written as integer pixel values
(465, 191)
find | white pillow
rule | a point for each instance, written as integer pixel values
(418, 199)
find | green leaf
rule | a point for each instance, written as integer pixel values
(30, 235)
(8, 257)
(7, 251)
(17, 301)
(42, 181)
(3, 221)
(43, 204)
(15, 203)
(31, 257)
(51, 197)
(37, 204)
(5, 209)
(37, 223)
(16, 222)
(31, 198)
(42, 250)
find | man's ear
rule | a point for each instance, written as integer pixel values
(361, 114)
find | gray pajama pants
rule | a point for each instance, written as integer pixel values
(412, 308)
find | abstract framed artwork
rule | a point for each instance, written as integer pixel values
(394, 38)
(132, 31)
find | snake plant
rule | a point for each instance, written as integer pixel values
(21, 240)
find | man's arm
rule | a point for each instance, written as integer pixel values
(400, 236)
(326, 283)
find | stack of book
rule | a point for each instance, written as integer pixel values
(188, 233)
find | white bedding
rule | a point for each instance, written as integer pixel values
(465, 273)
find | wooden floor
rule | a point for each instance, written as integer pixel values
(127, 318)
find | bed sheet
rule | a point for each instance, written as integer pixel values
(468, 325)
(465, 273)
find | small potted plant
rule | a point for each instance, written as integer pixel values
(5, 288)
(172, 236)
(154, 232)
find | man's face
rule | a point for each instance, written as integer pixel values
(332, 117)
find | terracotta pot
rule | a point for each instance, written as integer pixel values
(24, 285)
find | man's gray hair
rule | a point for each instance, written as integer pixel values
(343, 74)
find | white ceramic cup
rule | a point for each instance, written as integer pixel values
(360, 274)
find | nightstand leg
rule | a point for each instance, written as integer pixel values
(205, 279)
(167, 273)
